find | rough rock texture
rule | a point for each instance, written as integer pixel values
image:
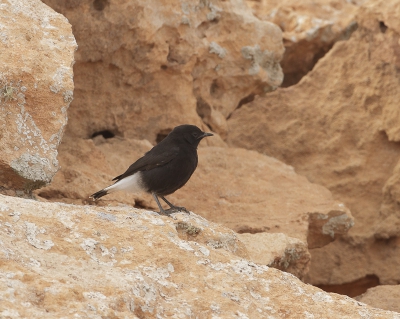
(384, 297)
(279, 251)
(339, 127)
(36, 86)
(144, 67)
(63, 260)
(310, 28)
(251, 192)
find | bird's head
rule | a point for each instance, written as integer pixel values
(191, 133)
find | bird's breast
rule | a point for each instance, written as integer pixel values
(167, 179)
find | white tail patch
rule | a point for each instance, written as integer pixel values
(131, 183)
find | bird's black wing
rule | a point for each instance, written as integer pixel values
(152, 159)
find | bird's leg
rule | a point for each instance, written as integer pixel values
(162, 211)
(173, 207)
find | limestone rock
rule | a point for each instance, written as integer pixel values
(384, 297)
(339, 127)
(278, 251)
(80, 261)
(36, 86)
(310, 28)
(251, 192)
(144, 67)
(256, 193)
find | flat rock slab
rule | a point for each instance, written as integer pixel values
(36, 58)
(61, 260)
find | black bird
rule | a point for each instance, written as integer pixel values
(164, 169)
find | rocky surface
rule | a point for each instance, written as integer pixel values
(36, 86)
(339, 126)
(61, 260)
(385, 297)
(310, 28)
(279, 251)
(251, 192)
(144, 67)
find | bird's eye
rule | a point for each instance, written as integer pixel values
(194, 134)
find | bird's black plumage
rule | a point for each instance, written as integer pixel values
(164, 169)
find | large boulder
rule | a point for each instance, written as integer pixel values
(144, 67)
(63, 260)
(340, 127)
(36, 58)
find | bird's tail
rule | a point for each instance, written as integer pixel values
(99, 194)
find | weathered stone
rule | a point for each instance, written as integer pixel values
(144, 67)
(310, 28)
(278, 251)
(384, 297)
(115, 262)
(36, 86)
(251, 192)
(256, 193)
(339, 127)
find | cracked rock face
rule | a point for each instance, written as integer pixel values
(36, 86)
(123, 262)
(144, 67)
(339, 127)
(309, 28)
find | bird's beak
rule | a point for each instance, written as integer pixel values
(205, 135)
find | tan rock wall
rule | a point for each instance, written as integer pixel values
(339, 127)
(144, 67)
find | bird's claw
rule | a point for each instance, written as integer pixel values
(179, 209)
(175, 209)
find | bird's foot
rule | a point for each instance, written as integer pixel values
(172, 210)
(177, 209)
(165, 212)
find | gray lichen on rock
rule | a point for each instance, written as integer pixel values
(217, 49)
(33, 167)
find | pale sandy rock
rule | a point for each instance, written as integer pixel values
(310, 28)
(36, 86)
(97, 262)
(384, 297)
(144, 67)
(251, 192)
(338, 127)
(279, 251)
